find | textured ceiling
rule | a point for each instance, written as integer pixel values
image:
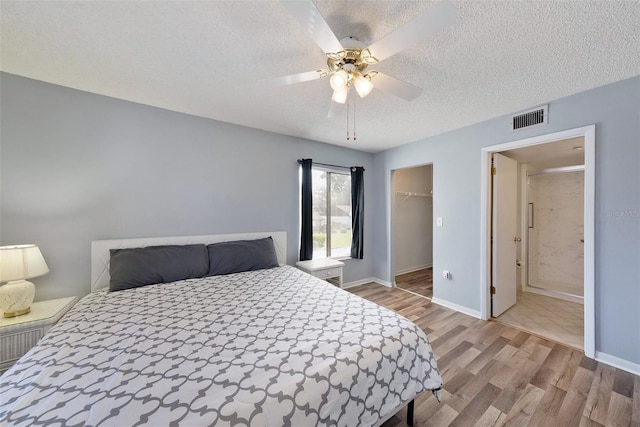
(205, 58)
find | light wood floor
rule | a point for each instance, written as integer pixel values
(496, 375)
(420, 282)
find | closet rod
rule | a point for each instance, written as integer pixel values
(402, 193)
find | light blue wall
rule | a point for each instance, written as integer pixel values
(77, 167)
(456, 158)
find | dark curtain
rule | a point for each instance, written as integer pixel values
(306, 230)
(357, 212)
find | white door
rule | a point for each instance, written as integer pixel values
(504, 233)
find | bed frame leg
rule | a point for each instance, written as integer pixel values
(410, 413)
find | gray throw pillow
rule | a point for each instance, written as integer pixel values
(135, 267)
(241, 255)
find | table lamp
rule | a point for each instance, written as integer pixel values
(18, 263)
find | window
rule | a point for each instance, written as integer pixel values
(331, 213)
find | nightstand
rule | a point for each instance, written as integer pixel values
(18, 334)
(325, 268)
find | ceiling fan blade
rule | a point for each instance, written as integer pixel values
(396, 87)
(439, 16)
(336, 110)
(308, 15)
(292, 78)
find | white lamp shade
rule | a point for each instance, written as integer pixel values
(21, 262)
(363, 85)
(339, 80)
(340, 96)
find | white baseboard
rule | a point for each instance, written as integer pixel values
(412, 269)
(616, 362)
(456, 307)
(367, 280)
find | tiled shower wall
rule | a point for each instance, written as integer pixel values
(556, 252)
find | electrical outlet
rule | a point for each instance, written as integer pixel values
(439, 221)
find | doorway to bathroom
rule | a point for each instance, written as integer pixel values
(538, 253)
(413, 229)
(548, 246)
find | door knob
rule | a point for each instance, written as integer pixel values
(517, 239)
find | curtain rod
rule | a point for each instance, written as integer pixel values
(326, 164)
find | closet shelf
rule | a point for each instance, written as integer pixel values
(408, 194)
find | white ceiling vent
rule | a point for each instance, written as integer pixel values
(537, 116)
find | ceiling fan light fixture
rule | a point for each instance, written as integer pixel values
(340, 95)
(363, 85)
(339, 80)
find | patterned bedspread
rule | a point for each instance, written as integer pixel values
(263, 348)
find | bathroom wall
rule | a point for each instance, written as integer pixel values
(556, 253)
(413, 219)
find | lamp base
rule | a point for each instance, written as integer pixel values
(16, 297)
(18, 313)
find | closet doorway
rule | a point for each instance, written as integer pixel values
(413, 229)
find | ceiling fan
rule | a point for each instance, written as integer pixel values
(348, 60)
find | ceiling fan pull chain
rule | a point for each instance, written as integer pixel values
(347, 119)
(355, 101)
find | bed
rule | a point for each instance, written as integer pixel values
(266, 347)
